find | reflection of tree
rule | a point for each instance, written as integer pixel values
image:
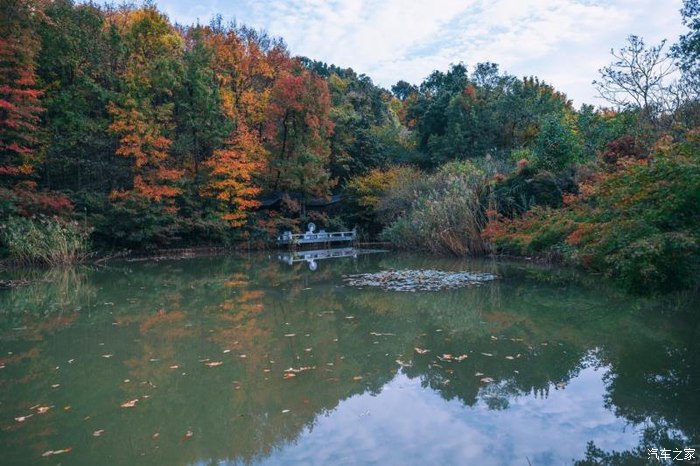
(658, 392)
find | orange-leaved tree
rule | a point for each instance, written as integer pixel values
(232, 175)
(143, 116)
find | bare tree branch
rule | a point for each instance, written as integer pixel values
(638, 76)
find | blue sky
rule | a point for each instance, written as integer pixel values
(563, 42)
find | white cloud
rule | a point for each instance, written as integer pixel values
(563, 42)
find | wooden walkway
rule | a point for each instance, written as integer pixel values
(313, 237)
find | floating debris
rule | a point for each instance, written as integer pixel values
(419, 280)
(56, 452)
(130, 403)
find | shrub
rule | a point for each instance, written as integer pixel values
(637, 224)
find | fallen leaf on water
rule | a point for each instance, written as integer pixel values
(243, 356)
(23, 418)
(70, 361)
(445, 357)
(461, 357)
(55, 452)
(284, 411)
(42, 409)
(130, 403)
(174, 366)
(357, 377)
(487, 354)
(308, 350)
(155, 436)
(98, 433)
(107, 355)
(290, 334)
(487, 380)
(227, 351)
(154, 360)
(67, 408)
(377, 334)
(478, 374)
(56, 385)
(494, 338)
(188, 435)
(510, 357)
(213, 364)
(288, 375)
(403, 364)
(421, 350)
(300, 369)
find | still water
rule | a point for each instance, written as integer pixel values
(252, 360)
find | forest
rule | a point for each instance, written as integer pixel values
(120, 130)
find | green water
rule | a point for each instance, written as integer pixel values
(553, 361)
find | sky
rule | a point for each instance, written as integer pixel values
(563, 42)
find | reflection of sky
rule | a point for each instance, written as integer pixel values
(409, 424)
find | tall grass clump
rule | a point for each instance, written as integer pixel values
(43, 240)
(446, 217)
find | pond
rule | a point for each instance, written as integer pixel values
(254, 360)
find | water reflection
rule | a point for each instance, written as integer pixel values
(529, 368)
(312, 256)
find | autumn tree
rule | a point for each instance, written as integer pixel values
(142, 117)
(232, 175)
(298, 129)
(20, 106)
